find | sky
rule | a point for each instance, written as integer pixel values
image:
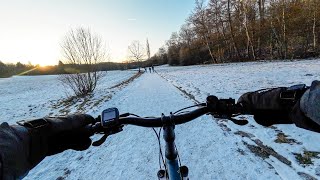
(33, 30)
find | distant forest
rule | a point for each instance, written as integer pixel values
(245, 30)
(7, 70)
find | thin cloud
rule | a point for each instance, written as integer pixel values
(132, 19)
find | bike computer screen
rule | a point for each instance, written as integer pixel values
(109, 116)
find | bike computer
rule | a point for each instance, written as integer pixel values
(109, 117)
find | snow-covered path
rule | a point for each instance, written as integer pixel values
(208, 151)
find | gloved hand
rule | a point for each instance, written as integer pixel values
(61, 133)
(266, 106)
(23, 147)
(69, 133)
(272, 106)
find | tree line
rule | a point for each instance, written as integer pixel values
(10, 69)
(221, 31)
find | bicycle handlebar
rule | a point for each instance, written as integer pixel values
(219, 108)
(161, 121)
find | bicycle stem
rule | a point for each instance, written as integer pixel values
(169, 137)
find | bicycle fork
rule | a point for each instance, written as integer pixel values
(174, 171)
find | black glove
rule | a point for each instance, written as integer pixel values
(69, 133)
(277, 106)
(266, 106)
(23, 147)
(272, 106)
(59, 134)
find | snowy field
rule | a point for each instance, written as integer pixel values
(211, 149)
(232, 80)
(27, 97)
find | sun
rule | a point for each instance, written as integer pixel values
(43, 64)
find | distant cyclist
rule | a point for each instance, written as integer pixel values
(23, 146)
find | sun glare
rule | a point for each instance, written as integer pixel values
(42, 63)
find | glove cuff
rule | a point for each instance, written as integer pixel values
(300, 119)
(310, 102)
(38, 133)
(291, 95)
(14, 151)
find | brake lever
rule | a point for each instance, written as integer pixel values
(100, 141)
(107, 132)
(235, 121)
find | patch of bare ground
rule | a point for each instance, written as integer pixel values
(244, 134)
(126, 82)
(305, 158)
(306, 176)
(265, 151)
(82, 103)
(282, 138)
(66, 173)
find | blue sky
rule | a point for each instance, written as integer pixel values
(33, 30)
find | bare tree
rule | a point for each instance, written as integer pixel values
(200, 20)
(148, 49)
(82, 51)
(186, 34)
(136, 51)
(314, 19)
(245, 4)
(231, 27)
(284, 26)
(261, 8)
